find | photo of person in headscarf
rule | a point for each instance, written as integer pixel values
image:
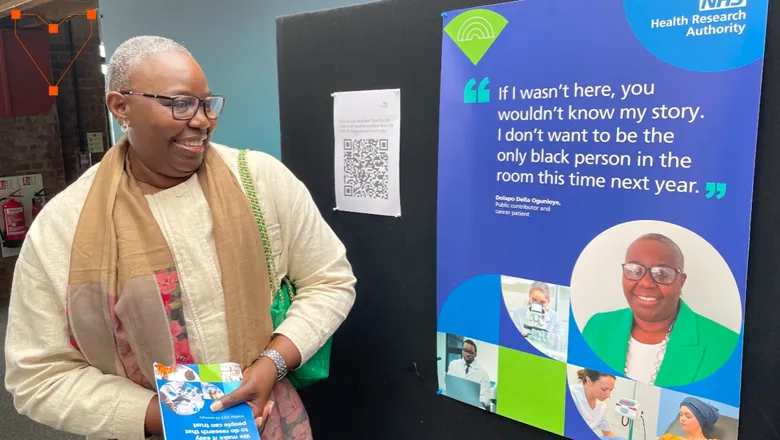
(697, 420)
(658, 339)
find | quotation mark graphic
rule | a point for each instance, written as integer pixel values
(471, 96)
(717, 189)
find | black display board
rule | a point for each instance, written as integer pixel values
(384, 368)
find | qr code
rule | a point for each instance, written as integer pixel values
(366, 168)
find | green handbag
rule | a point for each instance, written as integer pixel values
(317, 367)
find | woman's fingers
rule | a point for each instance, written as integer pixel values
(268, 407)
(242, 394)
(261, 421)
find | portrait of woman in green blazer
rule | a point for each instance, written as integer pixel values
(658, 339)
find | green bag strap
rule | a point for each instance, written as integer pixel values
(249, 188)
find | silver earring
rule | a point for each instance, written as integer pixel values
(124, 127)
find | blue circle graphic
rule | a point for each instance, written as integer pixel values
(700, 35)
(472, 309)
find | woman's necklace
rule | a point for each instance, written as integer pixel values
(659, 356)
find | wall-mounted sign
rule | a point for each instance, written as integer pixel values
(594, 201)
(95, 142)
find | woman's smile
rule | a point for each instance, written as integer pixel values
(191, 145)
(647, 300)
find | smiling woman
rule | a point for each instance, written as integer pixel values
(170, 133)
(678, 317)
(157, 255)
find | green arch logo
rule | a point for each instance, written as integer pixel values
(475, 31)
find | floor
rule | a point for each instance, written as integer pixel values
(12, 425)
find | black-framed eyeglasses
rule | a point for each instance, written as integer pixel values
(184, 107)
(659, 274)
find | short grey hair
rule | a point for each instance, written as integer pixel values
(130, 53)
(660, 238)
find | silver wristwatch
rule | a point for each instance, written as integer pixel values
(278, 360)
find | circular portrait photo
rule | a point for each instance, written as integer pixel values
(183, 398)
(656, 302)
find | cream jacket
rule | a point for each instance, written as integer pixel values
(51, 382)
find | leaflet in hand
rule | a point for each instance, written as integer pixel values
(186, 394)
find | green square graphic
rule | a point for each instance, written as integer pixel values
(211, 373)
(531, 389)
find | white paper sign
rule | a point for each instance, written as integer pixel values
(95, 142)
(367, 127)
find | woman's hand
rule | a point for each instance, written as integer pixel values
(153, 421)
(255, 389)
(259, 380)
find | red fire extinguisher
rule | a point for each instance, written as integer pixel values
(39, 199)
(13, 222)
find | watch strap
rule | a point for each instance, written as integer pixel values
(278, 360)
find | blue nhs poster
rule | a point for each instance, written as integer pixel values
(596, 165)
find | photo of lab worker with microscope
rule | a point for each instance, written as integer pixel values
(540, 311)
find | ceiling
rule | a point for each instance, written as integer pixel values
(49, 8)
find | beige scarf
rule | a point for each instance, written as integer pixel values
(124, 301)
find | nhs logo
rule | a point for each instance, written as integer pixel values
(714, 5)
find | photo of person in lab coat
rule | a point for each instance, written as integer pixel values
(540, 312)
(468, 368)
(537, 314)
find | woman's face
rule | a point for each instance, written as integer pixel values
(600, 389)
(167, 146)
(688, 421)
(651, 301)
(540, 297)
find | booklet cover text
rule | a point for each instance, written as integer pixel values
(186, 393)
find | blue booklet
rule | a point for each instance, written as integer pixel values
(186, 393)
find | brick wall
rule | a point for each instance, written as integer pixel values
(31, 145)
(91, 90)
(49, 144)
